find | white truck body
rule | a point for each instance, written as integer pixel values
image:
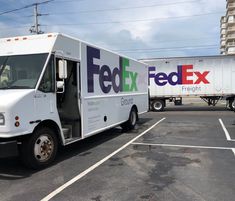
(209, 77)
(100, 91)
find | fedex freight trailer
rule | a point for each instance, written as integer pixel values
(210, 78)
(55, 89)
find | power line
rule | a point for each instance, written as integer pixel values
(35, 27)
(67, 1)
(130, 21)
(126, 21)
(117, 9)
(134, 21)
(24, 7)
(124, 8)
(16, 9)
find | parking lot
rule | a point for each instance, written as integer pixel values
(184, 153)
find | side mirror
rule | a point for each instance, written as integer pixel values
(62, 69)
(60, 86)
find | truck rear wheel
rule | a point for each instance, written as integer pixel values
(40, 149)
(158, 105)
(131, 122)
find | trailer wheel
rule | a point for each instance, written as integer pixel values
(40, 149)
(232, 104)
(158, 105)
(131, 122)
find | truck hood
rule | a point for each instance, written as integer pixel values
(11, 96)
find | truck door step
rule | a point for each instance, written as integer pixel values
(67, 132)
(71, 140)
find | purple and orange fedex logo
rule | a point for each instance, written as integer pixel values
(118, 79)
(183, 76)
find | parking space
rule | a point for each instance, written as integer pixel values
(179, 154)
(229, 126)
(158, 173)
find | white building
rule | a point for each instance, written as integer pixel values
(227, 30)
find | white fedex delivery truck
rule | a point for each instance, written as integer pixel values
(210, 78)
(55, 89)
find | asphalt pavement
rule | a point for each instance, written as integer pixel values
(184, 153)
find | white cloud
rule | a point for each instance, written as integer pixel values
(134, 35)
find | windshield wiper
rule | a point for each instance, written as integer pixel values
(19, 87)
(15, 87)
(4, 87)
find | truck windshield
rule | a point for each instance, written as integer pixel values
(22, 71)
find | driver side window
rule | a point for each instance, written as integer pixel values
(47, 84)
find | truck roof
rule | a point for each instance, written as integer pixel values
(187, 57)
(43, 43)
(31, 44)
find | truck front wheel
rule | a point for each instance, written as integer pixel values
(158, 105)
(40, 149)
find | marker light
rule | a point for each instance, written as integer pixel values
(17, 124)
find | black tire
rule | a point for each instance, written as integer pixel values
(158, 105)
(232, 104)
(39, 150)
(131, 122)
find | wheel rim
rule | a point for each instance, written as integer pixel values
(233, 105)
(157, 105)
(133, 118)
(43, 148)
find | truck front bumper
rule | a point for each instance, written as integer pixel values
(8, 148)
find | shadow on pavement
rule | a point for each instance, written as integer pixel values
(12, 169)
(196, 108)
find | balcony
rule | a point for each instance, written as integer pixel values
(223, 19)
(231, 22)
(230, 30)
(230, 38)
(230, 44)
(223, 31)
(230, 13)
(222, 44)
(230, 1)
(230, 6)
(222, 38)
(223, 26)
(231, 50)
(222, 51)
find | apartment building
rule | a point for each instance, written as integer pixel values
(227, 30)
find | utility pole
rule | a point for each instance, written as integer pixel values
(36, 25)
(35, 28)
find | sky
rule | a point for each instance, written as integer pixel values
(135, 28)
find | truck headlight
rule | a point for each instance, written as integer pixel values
(2, 119)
